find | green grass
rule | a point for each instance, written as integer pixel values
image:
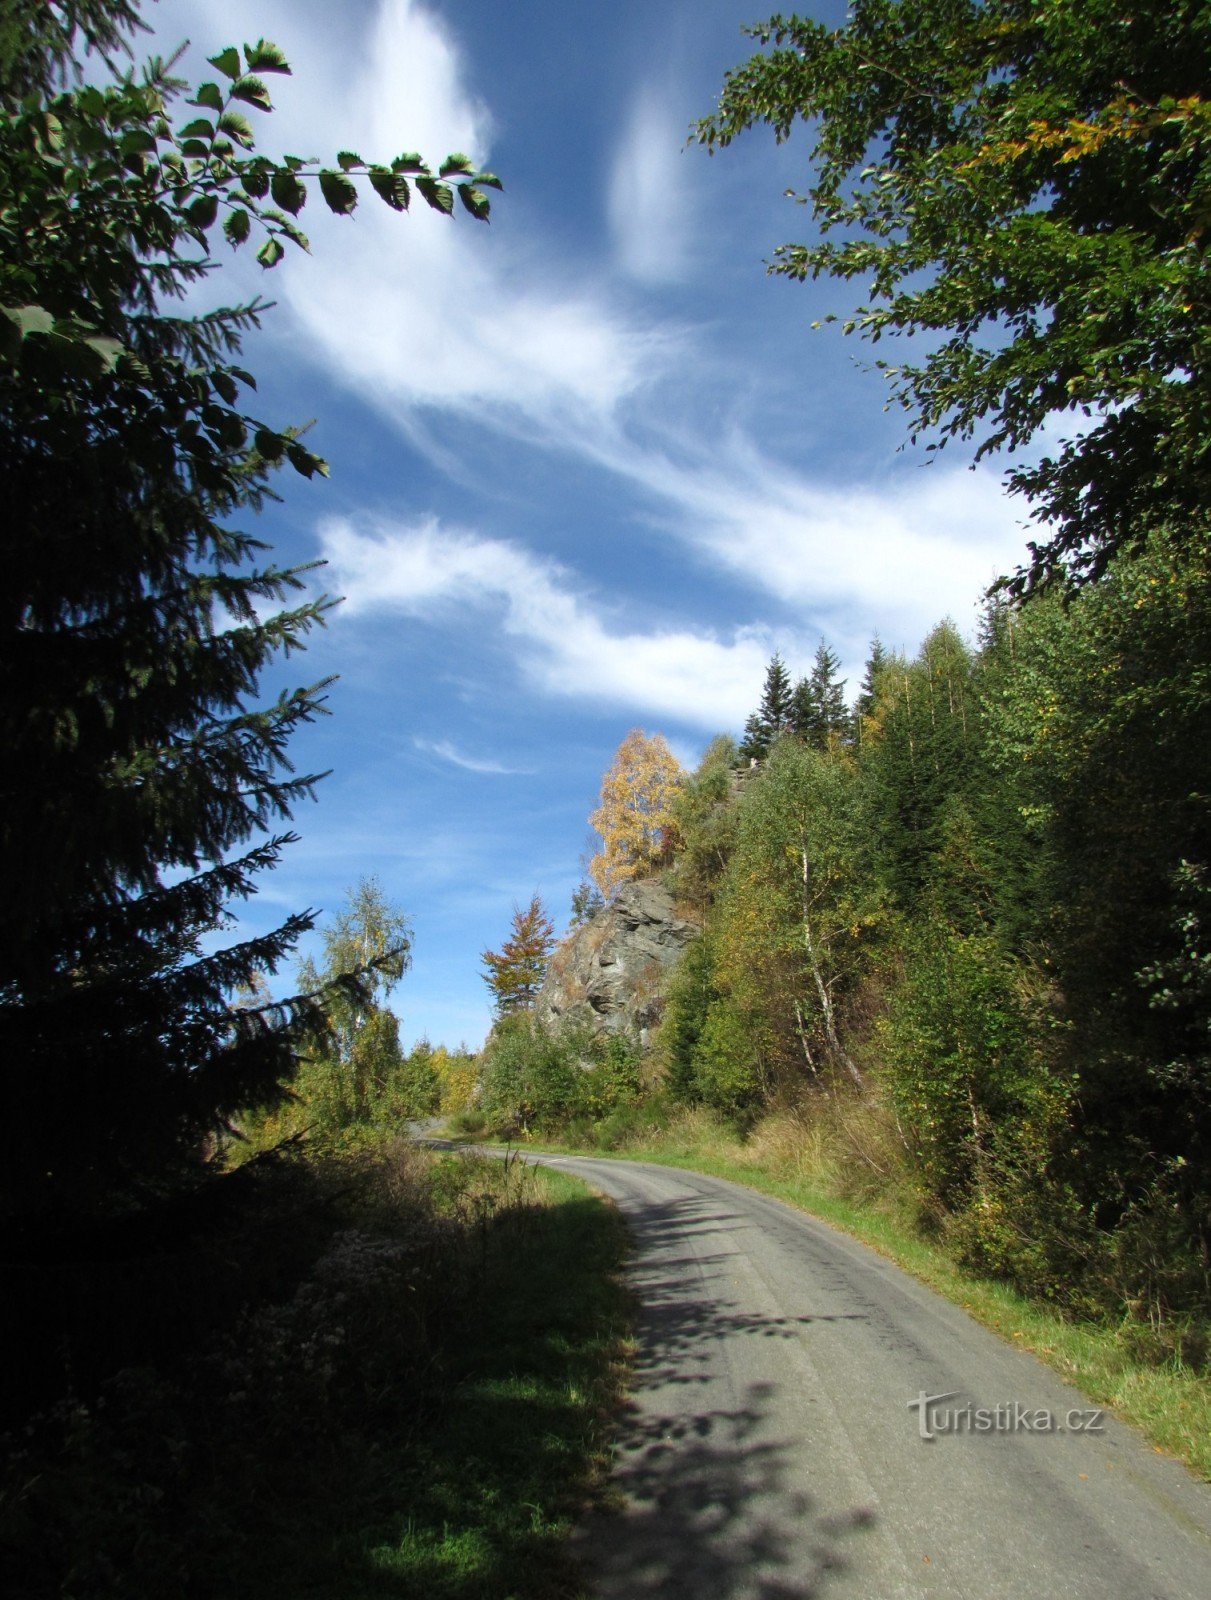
(425, 1421)
(517, 1445)
(477, 1501)
(1170, 1404)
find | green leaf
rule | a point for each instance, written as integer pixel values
(77, 355)
(237, 226)
(227, 62)
(270, 253)
(289, 192)
(52, 131)
(265, 57)
(225, 385)
(340, 192)
(304, 461)
(456, 163)
(209, 94)
(270, 446)
(488, 180)
(391, 187)
(196, 149)
(347, 159)
(255, 182)
(137, 142)
(253, 92)
(238, 126)
(231, 431)
(246, 378)
(199, 128)
(409, 162)
(203, 210)
(108, 350)
(296, 235)
(475, 200)
(439, 195)
(29, 319)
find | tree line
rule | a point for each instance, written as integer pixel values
(977, 900)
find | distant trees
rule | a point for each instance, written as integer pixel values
(773, 717)
(814, 708)
(636, 817)
(820, 716)
(355, 1053)
(587, 901)
(1007, 898)
(514, 973)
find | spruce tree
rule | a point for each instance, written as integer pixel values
(821, 718)
(876, 665)
(773, 717)
(143, 779)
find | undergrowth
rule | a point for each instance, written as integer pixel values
(412, 1405)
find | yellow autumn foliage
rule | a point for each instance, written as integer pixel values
(635, 817)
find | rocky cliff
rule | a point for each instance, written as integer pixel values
(610, 971)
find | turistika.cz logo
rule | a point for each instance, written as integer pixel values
(935, 1417)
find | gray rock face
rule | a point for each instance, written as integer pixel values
(610, 972)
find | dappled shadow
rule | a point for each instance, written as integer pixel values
(715, 1501)
(712, 1513)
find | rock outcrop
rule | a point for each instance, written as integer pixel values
(610, 972)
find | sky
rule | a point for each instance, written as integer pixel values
(590, 464)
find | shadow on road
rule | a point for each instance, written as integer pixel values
(716, 1505)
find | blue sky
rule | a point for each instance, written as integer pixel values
(590, 464)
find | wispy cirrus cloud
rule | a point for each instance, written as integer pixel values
(564, 644)
(429, 319)
(649, 197)
(445, 750)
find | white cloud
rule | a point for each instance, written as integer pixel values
(901, 554)
(567, 647)
(649, 207)
(446, 751)
(424, 316)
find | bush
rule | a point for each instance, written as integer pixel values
(536, 1075)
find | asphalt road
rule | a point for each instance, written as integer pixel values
(770, 1449)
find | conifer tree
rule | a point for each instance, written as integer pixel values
(141, 775)
(876, 664)
(820, 716)
(514, 973)
(774, 716)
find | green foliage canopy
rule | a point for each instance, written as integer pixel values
(1028, 184)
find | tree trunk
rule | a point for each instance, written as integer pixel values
(826, 1005)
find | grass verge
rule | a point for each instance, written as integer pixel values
(1170, 1403)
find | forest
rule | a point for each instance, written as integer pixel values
(915, 910)
(953, 948)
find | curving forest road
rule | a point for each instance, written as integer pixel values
(769, 1449)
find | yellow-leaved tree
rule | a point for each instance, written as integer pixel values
(635, 818)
